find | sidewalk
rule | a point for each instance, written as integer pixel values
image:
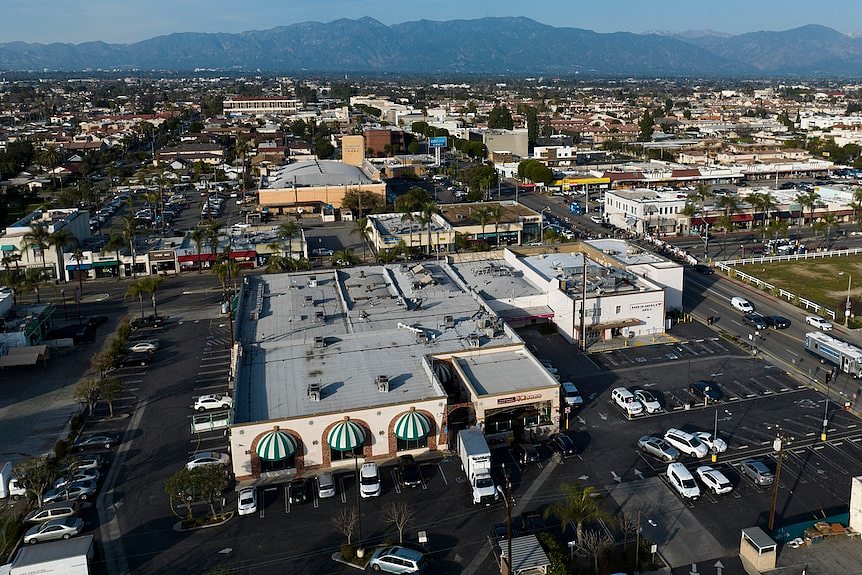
(639, 341)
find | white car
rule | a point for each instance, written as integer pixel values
(818, 322)
(247, 501)
(596, 219)
(207, 458)
(686, 442)
(80, 475)
(683, 481)
(322, 252)
(144, 347)
(369, 480)
(715, 444)
(213, 401)
(741, 304)
(714, 480)
(648, 400)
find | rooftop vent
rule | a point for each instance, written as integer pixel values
(473, 341)
(309, 300)
(319, 342)
(382, 383)
(313, 392)
(319, 317)
(448, 321)
(312, 281)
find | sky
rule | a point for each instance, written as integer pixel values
(124, 21)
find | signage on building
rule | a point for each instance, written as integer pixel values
(437, 142)
(646, 306)
(161, 255)
(518, 398)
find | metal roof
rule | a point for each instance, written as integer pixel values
(527, 555)
(54, 551)
(758, 537)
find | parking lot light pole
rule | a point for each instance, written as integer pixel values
(714, 456)
(847, 307)
(542, 225)
(779, 455)
(358, 499)
(825, 410)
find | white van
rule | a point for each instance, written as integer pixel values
(571, 395)
(682, 480)
(741, 304)
(686, 442)
(627, 401)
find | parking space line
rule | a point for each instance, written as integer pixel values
(781, 385)
(608, 357)
(791, 469)
(286, 501)
(343, 489)
(215, 386)
(395, 480)
(212, 372)
(688, 348)
(443, 474)
(747, 392)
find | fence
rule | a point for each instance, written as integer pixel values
(792, 257)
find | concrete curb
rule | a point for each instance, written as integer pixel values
(178, 526)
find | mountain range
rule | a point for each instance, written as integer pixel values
(483, 46)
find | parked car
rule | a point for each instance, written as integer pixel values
(818, 322)
(715, 444)
(246, 502)
(525, 453)
(144, 347)
(757, 471)
(658, 447)
(325, 486)
(627, 401)
(80, 475)
(714, 480)
(777, 321)
(369, 480)
(682, 481)
(55, 510)
(79, 490)
(207, 458)
(648, 400)
(706, 390)
(703, 269)
(54, 529)
(741, 304)
(213, 401)
(408, 473)
(89, 462)
(397, 559)
(563, 445)
(596, 219)
(322, 252)
(146, 322)
(755, 320)
(297, 491)
(98, 441)
(571, 395)
(132, 359)
(686, 442)
(532, 523)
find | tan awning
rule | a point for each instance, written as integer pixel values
(27, 355)
(612, 324)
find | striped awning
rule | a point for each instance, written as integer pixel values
(412, 426)
(275, 446)
(346, 436)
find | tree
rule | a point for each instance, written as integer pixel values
(808, 200)
(579, 505)
(495, 213)
(35, 475)
(593, 544)
(129, 229)
(180, 490)
(764, 204)
(830, 220)
(87, 392)
(213, 234)
(39, 239)
(360, 227)
(500, 118)
(361, 202)
(484, 216)
(345, 522)
(426, 214)
(109, 390)
(49, 158)
(145, 285)
(532, 126)
(344, 257)
(225, 269)
(400, 515)
(646, 126)
(210, 481)
(629, 526)
(286, 231)
(115, 243)
(199, 236)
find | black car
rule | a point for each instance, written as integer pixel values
(703, 269)
(97, 320)
(84, 334)
(408, 472)
(755, 320)
(99, 441)
(708, 390)
(145, 322)
(532, 522)
(563, 445)
(525, 453)
(777, 321)
(135, 358)
(297, 491)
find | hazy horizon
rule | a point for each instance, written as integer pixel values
(120, 21)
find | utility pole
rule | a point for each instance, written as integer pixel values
(777, 445)
(584, 305)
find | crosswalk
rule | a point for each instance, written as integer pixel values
(670, 352)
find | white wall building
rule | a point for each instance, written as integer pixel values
(644, 211)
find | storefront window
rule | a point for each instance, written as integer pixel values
(282, 465)
(498, 426)
(336, 455)
(408, 444)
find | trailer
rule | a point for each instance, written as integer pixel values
(846, 357)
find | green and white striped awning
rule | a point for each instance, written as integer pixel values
(412, 426)
(346, 436)
(275, 446)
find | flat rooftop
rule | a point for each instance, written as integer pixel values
(495, 279)
(568, 268)
(371, 321)
(314, 173)
(392, 224)
(504, 372)
(626, 253)
(465, 214)
(643, 195)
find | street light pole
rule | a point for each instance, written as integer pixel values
(847, 307)
(776, 445)
(542, 225)
(358, 499)
(826, 409)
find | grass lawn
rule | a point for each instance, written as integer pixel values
(816, 280)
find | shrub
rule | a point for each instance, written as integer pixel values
(76, 424)
(348, 552)
(61, 449)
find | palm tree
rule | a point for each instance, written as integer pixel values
(129, 229)
(224, 270)
(39, 238)
(78, 256)
(830, 220)
(729, 204)
(808, 200)
(115, 243)
(8, 260)
(410, 218)
(763, 204)
(62, 239)
(50, 158)
(496, 214)
(149, 285)
(286, 231)
(214, 233)
(344, 256)
(428, 210)
(579, 505)
(360, 227)
(484, 216)
(199, 236)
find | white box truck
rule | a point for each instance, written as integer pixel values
(476, 459)
(66, 557)
(9, 485)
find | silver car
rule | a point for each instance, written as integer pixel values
(54, 529)
(658, 447)
(78, 490)
(757, 471)
(325, 486)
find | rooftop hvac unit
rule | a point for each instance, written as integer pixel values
(473, 341)
(448, 321)
(483, 323)
(319, 317)
(319, 342)
(382, 383)
(309, 300)
(312, 281)
(314, 392)
(421, 337)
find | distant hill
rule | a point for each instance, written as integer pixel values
(487, 45)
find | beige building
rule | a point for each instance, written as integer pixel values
(12, 240)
